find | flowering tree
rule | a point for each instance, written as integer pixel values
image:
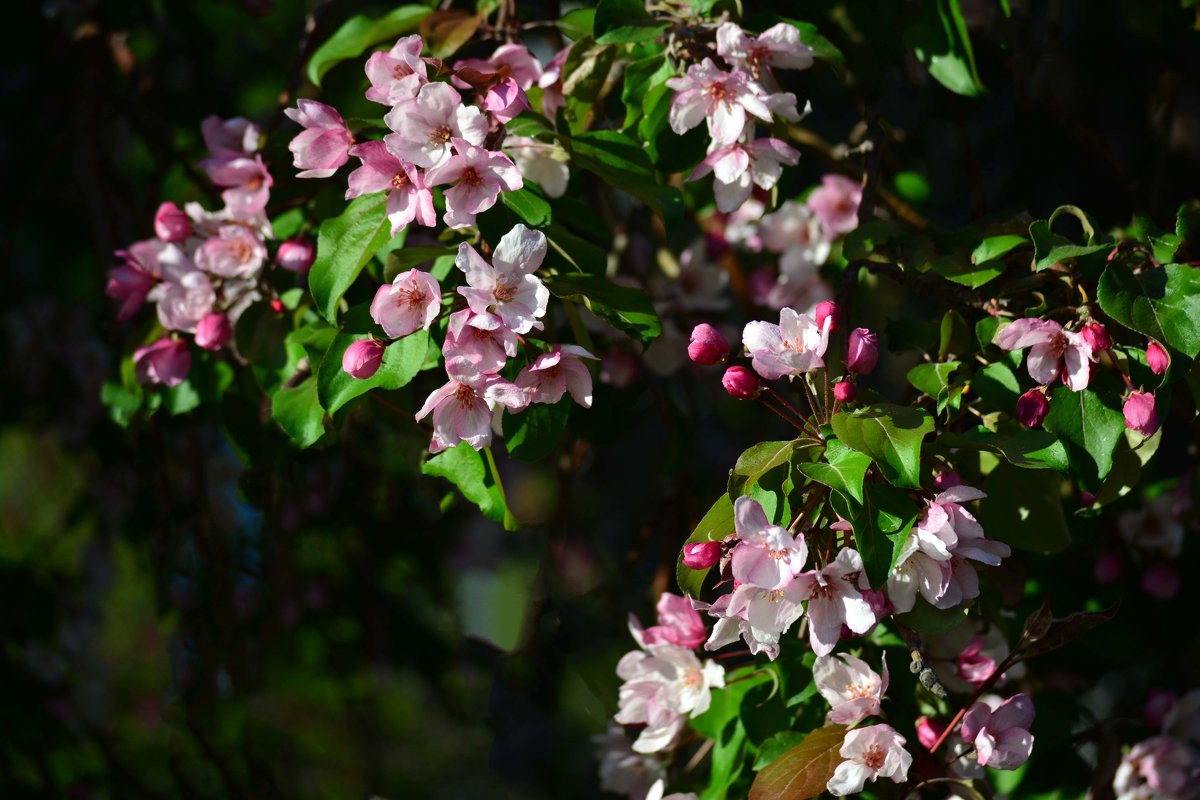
(504, 231)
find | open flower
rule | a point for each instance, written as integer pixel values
(409, 198)
(324, 144)
(462, 409)
(917, 572)
(481, 339)
(245, 179)
(738, 168)
(551, 84)
(509, 60)
(663, 685)
(1159, 768)
(507, 286)
(407, 304)
(426, 126)
(678, 624)
(397, 74)
(557, 372)
(835, 203)
(165, 361)
(1054, 351)
(766, 556)
(184, 297)
(778, 46)
(1000, 731)
(478, 176)
(544, 164)
(235, 252)
(505, 101)
(834, 599)
(235, 136)
(722, 98)
(946, 529)
(874, 752)
(759, 616)
(853, 689)
(794, 346)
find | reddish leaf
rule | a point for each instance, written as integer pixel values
(803, 771)
(446, 31)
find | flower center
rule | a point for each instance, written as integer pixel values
(692, 678)
(1059, 344)
(255, 183)
(400, 180)
(858, 690)
(410, 297)
(470, 177)
(778, 555)
(504, 292)
(797, 346)
(440, 135)
(400, 71)
(874, 756)
(719, 92)
(464, 395)
(241, 250)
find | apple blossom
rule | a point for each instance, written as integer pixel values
(873, 752)
(622, 770)
(396, 74)
(462, 408)
(424, 128)
(295, 255)
(481, 339)
(915, 572)
(409, 198)
(759, 616)
(794, 346)
(663, 685)
(1140, 414)
(973, 665)
(1032, 407)
(701, 555)
(557, 372)
(132, 280)
(171, 224)
(507, 287)
(505, 101)
(409, 303)
(766, 555)
(862, 353)
(835, 204)
(166, 361)
(722, 98)
(1157, 358)
(363, 358)
(236, 136)
(213, 331)
(324, 144)
(852, 688)
(245, 179)
(1054, 350)
(1158, 768)
(183, 298)
(707, 346)
(235, 252)
(678, 624)
(929, 731)
(738, 167)
(1000, 730)
(478, 176)
(544, 164)
(778, 46)
(551, 84)
(741, 383)
(834, 599)
(509, 60)
(946, 528)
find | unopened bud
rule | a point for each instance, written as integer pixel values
(1157, 357)
(171, 224)
(828, 310)
(295, 255)
(213, 331)
(1032, 407)
(863, 351)
(701, 555)
(362, 359)
(707, 345)
(1096, 335)
(1140, 414)
(741, 383)
(845, 392)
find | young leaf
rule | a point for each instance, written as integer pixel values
(881, 525)
(996, 246)
(756, 462)
(941, 42)
(344, 244)
(1163, 303)
(529, 206)
(531, 434)
(1031, 449)
(889, 434)
(621, 21)
(803, 771)
(360, 32)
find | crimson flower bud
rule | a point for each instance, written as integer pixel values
(1139, 412)
(1096, 335)
(295, 255)
(213, 331)
(707, 345)
(947, 479)
(863, 351)
(929, 731)
(741, 383)
(845, 392)
(171, 224)
(1032, 407)
(829, 310)
(701, 555)
(1157, 357)
(276, 305)
(362, 359)
(1161, 581)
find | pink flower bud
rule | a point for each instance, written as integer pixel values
(166, 361)
(1161, 581)
(845, 392)
(1108, 569)
(1096, 335)
(1032, 407)
(1140, 415)
(973, 665)
(863, 351)
(929, 731)
(741, 383)
(276, 305)
(362, 359)
(829, 310)
(1159, 703)
(947, 479)
(701, 555)
(213, 331)
(1157, 357)
(171, 224)
(707, 345)
(296, 255)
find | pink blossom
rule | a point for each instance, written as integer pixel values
(1159, 768)
(1054, 351)
(409, 197)
(131, 281)
(741, 384)
(844, 392)
(852, 688)
(409, 303)
(166, 361)
(245, 179)
(505, 101)
(1032, 407)
(1158, 706)
(324, 144)
(701, 555)
(835, 203)
(1140, 414)
(478, 176)
(828, 310)
(184, 297)
(834, 599)
(707, 346)
(739, 167)
(873, 752)
(509, 60)
(544, 164)
(396, 74)
(1157, 358)
(554, 373)
(551, 85)
(917, 572)
(759, 616)
(1097, 337)
(213, 331)
(779, 46)
(973, 665)
(363, 358)
(171, 224)
(1000, 731)
(462, 409)
(663, 685)
(794, 232)
(929, 731)
(234, 252)
(481, 339)
(425, 127)
(230, 136)
(295, 255)
(794, 346)
(678, 624)
(507, 286)
(946, 528)
(766, 555)
(722, 98)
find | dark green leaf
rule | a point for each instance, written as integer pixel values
(528, 206)
(587, 68)
(401, 362)
(578, 23)
(1031, 449)
(360, 32)
(1023, 508)
(1091, 428)
(955, 336)
(756, 462)
(531, 434)
(889, 434)
(933, 379)
(623, 306)
(881, 526)
(1163, 303)
(842, 470)
(931, 621)
(622, 163)
(299, 413)
(997, 384)
(408, 257)
(996, 246)
(344, 244)
(621, 21)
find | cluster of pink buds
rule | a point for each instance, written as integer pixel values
(204, 268)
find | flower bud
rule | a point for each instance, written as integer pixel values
(362, 359)
(741, 383)
(1157, 357)
(947, 479)
(701, 555)
(171, 224)
(929, 731)
(213, 331)
(1139, 412)
(295, 255)
(829, 310)
(863, 351)
(276, 305)
(707, 345)
(166, 361)
(1032, 407)
(1107, 569)
(845, 392)
(1161, 581)
(1096, 335)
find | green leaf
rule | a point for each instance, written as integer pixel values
(955, 338)
(299, 412)
(713, 527)
(881, 526)
(622, 163)
(1050, 248)
(933, 379)
(997, 384)
(889, 434)
(822, 48)
(578, 23)
(122, 403)
(1162, 303)
(621, 21)
(464, 467)
(803, 771)
(528, 206)
(408, 257)
(777, 745)
(360, 32)
(401, 362)
(941, 42)
(1089, 426)
(344, 244)
(842, 470)
(531, 434)
(931, 621)
(726, 703)
(1023, 508)
(570, 253)
(623, 306)
(587, 68)
(994, 247)
(1030, 449)
(642, 77)
(756, 462)
(955, 267)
